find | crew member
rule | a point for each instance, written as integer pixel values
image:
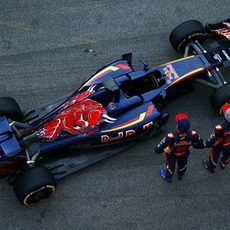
(219, 143)
(176, 147)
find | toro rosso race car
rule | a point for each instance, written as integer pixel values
(107, 113)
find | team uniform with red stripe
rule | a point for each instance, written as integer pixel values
(219, 144)
(176, 146)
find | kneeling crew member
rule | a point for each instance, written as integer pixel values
(176, 147)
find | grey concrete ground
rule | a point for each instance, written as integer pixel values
(47, 48)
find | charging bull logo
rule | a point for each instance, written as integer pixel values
(78, 117)
(78, 97)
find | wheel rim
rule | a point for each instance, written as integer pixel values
(39, 194)
(193, 35)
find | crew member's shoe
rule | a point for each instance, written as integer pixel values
(222, 165)
(205, 163)
(163, 175)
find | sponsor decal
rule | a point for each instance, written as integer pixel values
(217, 57)
(111, 106)
(120, 135)
(182, 143)
(77, 98)
(225, 54)
(107, 138)
(129, 133)
(170, 73)
(148, 125)
(78, 116)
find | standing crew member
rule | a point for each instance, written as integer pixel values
(176, 147)
(219, 143)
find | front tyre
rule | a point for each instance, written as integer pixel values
(220, 97)
(34, 185)
(187, 31)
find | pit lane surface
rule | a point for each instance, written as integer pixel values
(47, 48)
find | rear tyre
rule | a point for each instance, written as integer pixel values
(34, 185)
(10, 108)
(187, 31)
(220, 97)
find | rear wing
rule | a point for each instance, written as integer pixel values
(221, 28)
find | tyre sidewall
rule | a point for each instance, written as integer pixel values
(10, 108)
(187, 31)
(31, 180)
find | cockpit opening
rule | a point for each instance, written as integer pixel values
(149, 82)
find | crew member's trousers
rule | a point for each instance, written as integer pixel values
(215, 154)
(171, 160)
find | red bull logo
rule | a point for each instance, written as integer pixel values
(120, 135)
(148, 125)
(78, 116)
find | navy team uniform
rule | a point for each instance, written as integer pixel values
(176, 147)
(219, 143)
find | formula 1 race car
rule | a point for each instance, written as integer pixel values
(107, 113)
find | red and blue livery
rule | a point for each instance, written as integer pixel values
(112, 109)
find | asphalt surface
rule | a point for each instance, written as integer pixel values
(47, 48)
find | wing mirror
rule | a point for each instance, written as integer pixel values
(146, 64)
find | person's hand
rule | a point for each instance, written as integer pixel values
(204, 143)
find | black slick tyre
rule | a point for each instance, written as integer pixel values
(220, 97)
(187, 31)
(10, 108)
(34, 185)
